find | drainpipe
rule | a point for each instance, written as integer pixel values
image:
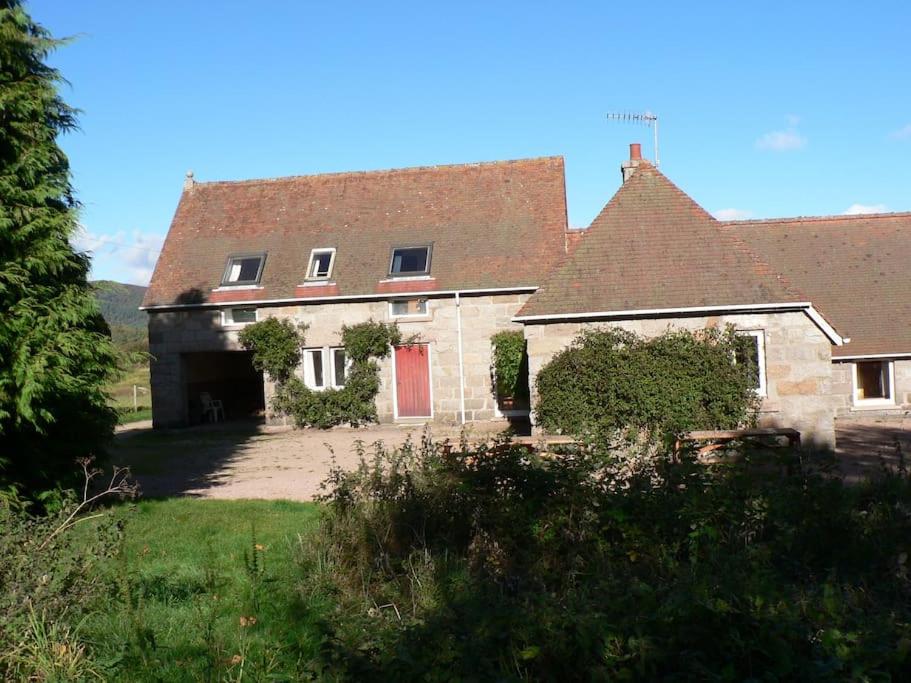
(458, 303)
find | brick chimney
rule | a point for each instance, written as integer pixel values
(627, 168)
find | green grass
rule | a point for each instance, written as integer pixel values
(128, 415)
(121, 391)
(192, 574)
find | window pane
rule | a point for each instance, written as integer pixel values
(244, 269)
(316, 357)
(339, 359)
(873, 380)
(747, 355)
(410, 307)
(320, 265)
(243, 315)
(410, 260)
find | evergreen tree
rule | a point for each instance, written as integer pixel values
(55, 349)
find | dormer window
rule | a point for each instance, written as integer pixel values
(321, 262)
(245, 269)
(410, 261)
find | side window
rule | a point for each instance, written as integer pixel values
(325, 367)
(238, 316)
(751, 353)
(314, 371)
(321, 262)
(408, 308)
(873, 382)
(243, 270)
(410, 261)
(339, 367)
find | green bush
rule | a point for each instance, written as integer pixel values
(276, 346)
(497, 564)
(610, 380)
(276, 349)
(50, 580)
(510, 364)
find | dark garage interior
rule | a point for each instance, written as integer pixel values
(226, 376)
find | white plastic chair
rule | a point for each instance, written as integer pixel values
(212, 407)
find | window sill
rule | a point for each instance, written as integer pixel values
(234, 288)
(326, 282)
(406, 278)
(874, 404)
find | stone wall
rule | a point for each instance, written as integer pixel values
(171, 334)
(843, 389)
(798, 363)
(174, 333)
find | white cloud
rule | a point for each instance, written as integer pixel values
(732, 214)
(859, 209)
(782, 140)
(121, 256)
(903, 133)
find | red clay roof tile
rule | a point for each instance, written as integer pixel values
(653, 247)
(492, 225)
(856, 269)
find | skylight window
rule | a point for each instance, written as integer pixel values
(321, 262)
(244, 270)
(410, 261)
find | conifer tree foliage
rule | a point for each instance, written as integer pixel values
(55, 349)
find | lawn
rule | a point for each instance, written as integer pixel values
(121, 393)
(208, 591)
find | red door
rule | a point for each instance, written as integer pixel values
(412, 380)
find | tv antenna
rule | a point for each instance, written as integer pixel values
(647, 118)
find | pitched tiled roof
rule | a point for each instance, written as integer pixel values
(856, 269)
(652, 247)
(492, 225)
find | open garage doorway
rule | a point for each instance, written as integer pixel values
(225, 376)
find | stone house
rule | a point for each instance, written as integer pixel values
(857, 269)
(653, 259)
(457, 253)
(450, 253)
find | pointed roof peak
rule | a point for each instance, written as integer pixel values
(653, 247)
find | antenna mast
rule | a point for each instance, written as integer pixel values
(647, 118)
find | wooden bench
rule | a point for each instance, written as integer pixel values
(720, 437)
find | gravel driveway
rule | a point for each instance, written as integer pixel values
(253, 461)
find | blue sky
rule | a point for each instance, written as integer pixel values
(766, 109)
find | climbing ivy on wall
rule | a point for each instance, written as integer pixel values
(611, 380)
(510, 364)
(365, 343)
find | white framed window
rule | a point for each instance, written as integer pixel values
(321, 263)
(874, 383)
(241, 315)
(410, 261)
(314, 369)
(243, 269)
(326, 367)
(340, 366)
(408, 308)
(751, 351)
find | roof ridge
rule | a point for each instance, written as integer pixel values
(383, 171)
(818, 219)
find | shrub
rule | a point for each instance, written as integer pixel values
(276, 349)
(510, 363)
(276, 346)
(51, 578)
(610, 380)
(498, 564)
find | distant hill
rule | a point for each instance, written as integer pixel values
(120, 303)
